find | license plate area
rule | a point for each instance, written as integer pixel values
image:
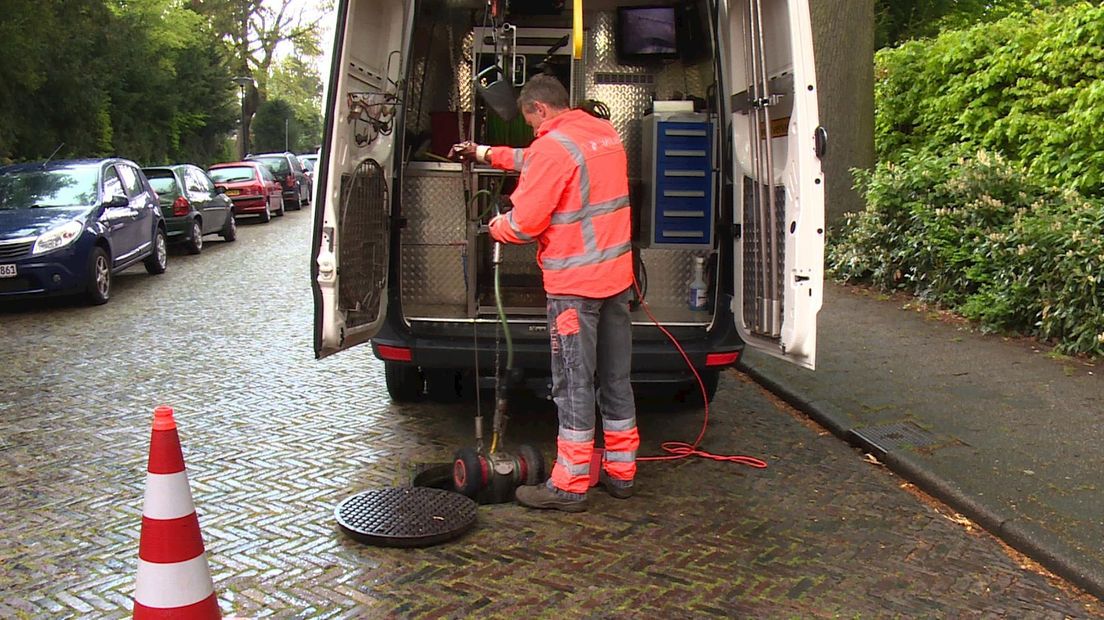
(8, 271)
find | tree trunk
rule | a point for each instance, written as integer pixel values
(843, 34)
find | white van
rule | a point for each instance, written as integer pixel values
(716, 103)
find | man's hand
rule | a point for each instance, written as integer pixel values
(469, 151)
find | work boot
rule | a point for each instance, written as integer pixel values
(620, 491)
(542, 497)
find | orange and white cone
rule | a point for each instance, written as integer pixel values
(174, 580)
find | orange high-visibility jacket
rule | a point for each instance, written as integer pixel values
(572, 198)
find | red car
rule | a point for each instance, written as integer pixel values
(251, 187)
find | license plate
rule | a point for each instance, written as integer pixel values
(233, 192)
(7, 271)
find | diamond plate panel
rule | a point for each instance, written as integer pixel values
(433, 205)
(434, 274)
(669, 273)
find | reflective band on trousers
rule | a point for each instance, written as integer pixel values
(574, 470)
(568, 434)
(621, 457)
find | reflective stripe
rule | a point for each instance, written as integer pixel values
(514, 227)
(167, 496)
(568, 434)
(619, 425)
(621, 457)
(173, 585)
(519, 159)
(589, 258)
(601, 208)
(583, 469)
(590, 240)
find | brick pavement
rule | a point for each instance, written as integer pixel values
(274, 439)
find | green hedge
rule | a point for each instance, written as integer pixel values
(1030, 87)
(980, 236)
(1014, 241)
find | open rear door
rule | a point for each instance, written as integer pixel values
(353, 214)
(778, 197)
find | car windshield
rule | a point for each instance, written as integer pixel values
(236, 174)
(63, 187)
(164, 183)
(278, 165)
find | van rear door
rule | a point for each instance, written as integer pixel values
(356, 172)
(778, 186)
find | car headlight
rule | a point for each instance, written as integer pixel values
(57, 238)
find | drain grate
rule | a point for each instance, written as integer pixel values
(405, 516)
(882, 439)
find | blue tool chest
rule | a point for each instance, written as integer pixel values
(678, 181)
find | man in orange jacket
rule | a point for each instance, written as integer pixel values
(572, 198)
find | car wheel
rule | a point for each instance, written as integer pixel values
(304, 199)
(194, 244)
(283, 209)
(266, 215)
(230, 228)
(691, 394)
(404, 382)
(99, 277)
(158, 261)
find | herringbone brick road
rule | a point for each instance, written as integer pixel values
(274, 439)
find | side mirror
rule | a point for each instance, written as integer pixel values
(116, 200)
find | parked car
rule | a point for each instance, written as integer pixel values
(288, 170)
(251, 187)
(70, 226)
(310, 162)
(192, 205)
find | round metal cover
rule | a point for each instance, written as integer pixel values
(405, 516)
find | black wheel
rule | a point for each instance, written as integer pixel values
(443, 385)
(404, 382)
(266, 215)
(158, 261)
(194, 244)
(468, 475)
(691, 394)
(533, 461)
(99, 277)
(230, 228)
(283, 209)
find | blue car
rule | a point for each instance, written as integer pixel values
(69, 226)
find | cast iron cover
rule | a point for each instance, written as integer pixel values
(405, 516)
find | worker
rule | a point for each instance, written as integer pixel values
(572, 199)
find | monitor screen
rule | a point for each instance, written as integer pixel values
(646, 33)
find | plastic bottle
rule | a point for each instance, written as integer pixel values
(698, 297)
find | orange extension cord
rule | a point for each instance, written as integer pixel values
(680, 449)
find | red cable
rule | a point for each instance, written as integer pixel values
(680, 449)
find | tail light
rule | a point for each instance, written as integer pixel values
(722, 359)
(258, 189)
(290, 180)
(181, 206)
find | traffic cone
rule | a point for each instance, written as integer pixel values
(174, 580)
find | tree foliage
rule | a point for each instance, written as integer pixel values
(897, 21)
(275, 128)
(145, 79)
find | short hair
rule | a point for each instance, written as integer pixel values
(545, 89)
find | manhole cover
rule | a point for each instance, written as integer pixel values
(405, 516)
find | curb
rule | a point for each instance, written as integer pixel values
(1039, 545)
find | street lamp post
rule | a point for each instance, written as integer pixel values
(243, 135)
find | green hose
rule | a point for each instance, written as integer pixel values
(502, 318)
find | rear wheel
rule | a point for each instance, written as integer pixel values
(534, 464)
(158, 261)
(194, 244)
(404, 382)
(230, 228)
(692, 393)
(99, 277)
(283, 208)
(266, 215)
